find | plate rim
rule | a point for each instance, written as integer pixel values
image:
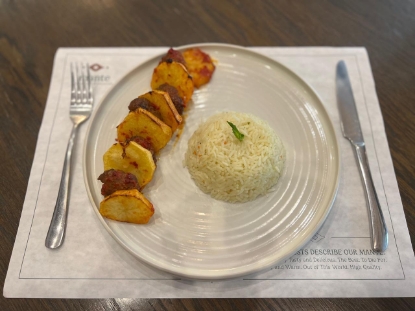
(194, 273)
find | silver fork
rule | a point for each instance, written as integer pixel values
(80, 109)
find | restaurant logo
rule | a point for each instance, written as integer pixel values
(317, 237)
(95, 67)
(102, 76)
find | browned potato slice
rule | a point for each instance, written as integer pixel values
(176, 75)
(142, 123)
(128, 206)
(165, 107)
(200, 66)
(131, 158)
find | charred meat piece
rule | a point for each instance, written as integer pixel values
(173, 56)
(114, 180)
(174, 95)
(144, 104)
(145, 143)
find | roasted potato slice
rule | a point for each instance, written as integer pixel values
(128, 206)
(131, 158)
(143, 123)
(176, 75)
(164, 105)
(200, 66)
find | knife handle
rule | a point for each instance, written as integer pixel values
(378, 230)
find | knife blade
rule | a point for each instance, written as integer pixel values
(352, 131)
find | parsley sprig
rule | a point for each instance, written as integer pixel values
(236, 132)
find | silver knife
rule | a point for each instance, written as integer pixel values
(352, 131)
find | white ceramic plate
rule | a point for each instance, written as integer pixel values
(193, 235)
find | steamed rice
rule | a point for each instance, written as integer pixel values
(233, 170)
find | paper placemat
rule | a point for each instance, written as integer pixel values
(337, 262)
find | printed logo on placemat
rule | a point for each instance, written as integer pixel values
(99, 73)
(95, 67)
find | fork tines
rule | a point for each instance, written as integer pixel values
(81, 88)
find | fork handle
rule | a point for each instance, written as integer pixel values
(57, 227)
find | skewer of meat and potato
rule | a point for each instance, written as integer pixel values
(129, 164)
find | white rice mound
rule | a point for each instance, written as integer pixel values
(231, 170)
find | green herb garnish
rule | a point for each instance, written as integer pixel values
(236, 132)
